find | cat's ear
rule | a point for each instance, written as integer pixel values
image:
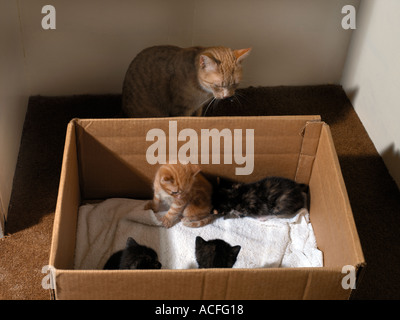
(207, 63)
(240, 54)
(235, 251)
(131, 242)
(195, 169)
(200, 241)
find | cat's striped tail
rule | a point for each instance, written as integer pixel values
(197, 223)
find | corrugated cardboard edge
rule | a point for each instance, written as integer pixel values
(2, 218)
(311, 134)
(70, 144)
(350, 218)
(359, 260)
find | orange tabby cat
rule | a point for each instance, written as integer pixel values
(187, 193)
(168, 81)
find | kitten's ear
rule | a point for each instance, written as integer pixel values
(207, 63)
(200, 241)
(235, 251)
(195, 169)
(240, 54)
(131, 242)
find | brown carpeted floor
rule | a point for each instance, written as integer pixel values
(374, 196)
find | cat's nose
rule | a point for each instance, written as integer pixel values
(227, 95)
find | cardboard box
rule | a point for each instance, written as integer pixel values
(110, 158)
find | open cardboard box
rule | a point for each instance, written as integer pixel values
(107, 158)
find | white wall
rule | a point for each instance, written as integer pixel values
(294, 42)
(13, 99)
(372, 77)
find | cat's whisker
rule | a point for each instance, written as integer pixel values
(208, 106)
(236, 100)
(204, 102)
(241, 96)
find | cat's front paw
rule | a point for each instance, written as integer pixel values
(150, 205)
(167, 223)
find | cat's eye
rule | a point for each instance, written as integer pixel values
(229, 86)
(168, 180)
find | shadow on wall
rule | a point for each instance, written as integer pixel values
(391, 157)
(37, 175)
(352, 94)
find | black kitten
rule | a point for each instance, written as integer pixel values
(215, 253)
(134, 256)
(269, 196)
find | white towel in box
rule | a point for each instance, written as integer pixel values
(103, 229)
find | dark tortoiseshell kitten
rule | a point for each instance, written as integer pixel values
(269, 196)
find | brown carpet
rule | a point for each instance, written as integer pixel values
(374, 196)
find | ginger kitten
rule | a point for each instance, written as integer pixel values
(187, 193)
(168, 81)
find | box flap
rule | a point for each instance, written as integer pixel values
(113, 154)
(68, 201)
(202, 284)
(330, 210)
(311, 135)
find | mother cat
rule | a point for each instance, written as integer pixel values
(168, 81)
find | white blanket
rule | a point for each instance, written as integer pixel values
(103, 229)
